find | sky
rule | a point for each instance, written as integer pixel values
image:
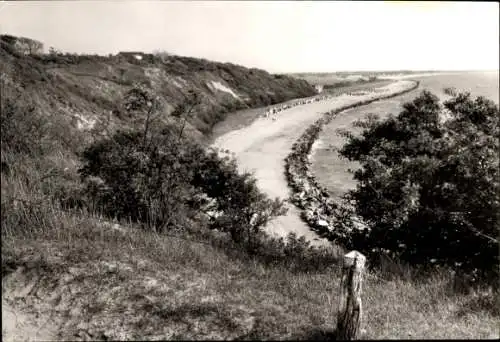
(278, 36)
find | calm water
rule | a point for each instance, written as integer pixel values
(333, 172)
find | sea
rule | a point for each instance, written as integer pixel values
(335, 173)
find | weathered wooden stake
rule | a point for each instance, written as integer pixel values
(350, 309)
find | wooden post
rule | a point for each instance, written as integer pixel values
(350, 310)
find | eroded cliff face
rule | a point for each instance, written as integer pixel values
(86, 90)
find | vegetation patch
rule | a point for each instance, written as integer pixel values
(386, 149)
(429, 184)
(93, 85)
(317, 206)
(133, 231)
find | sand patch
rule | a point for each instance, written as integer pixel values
(262, 147)
(221, 87)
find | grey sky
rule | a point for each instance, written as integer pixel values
(277, 36)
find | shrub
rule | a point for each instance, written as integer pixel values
(244, 208)
(24, 130)
(429, 188)
(160, 178)
(28, 131)
(291, 253)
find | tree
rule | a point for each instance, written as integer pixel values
(162, 55)
(244, 209)
(54, 52)
(163, 179)
(428, 187)
(24, 45)
(32, 46)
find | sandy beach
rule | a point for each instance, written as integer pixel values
(262, 147)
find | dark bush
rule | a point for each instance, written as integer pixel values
(23, 129)
(167, 181)
(429, 189)
(162, 179)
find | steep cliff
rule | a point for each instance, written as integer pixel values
(87, 89)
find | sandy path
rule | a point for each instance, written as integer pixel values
(18, 326)
(263, 146)
(21, 320)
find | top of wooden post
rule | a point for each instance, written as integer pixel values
(354, 257)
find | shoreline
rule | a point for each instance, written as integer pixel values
(430, 74)
(315, 203)
(263, 146)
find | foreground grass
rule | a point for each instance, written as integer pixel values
(92, 280)
(102, 283)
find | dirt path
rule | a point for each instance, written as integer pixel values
(20, 320)
(19, 326)
(263, 146)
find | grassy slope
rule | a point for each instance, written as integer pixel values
(90, 87)
(97, 282)
(85, 280)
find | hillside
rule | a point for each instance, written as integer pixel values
(80, 280)
(73, 270)
(87, 89)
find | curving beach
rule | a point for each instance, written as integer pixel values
(262, 147)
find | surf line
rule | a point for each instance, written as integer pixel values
(315, 204)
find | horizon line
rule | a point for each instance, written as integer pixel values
(250, 67)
